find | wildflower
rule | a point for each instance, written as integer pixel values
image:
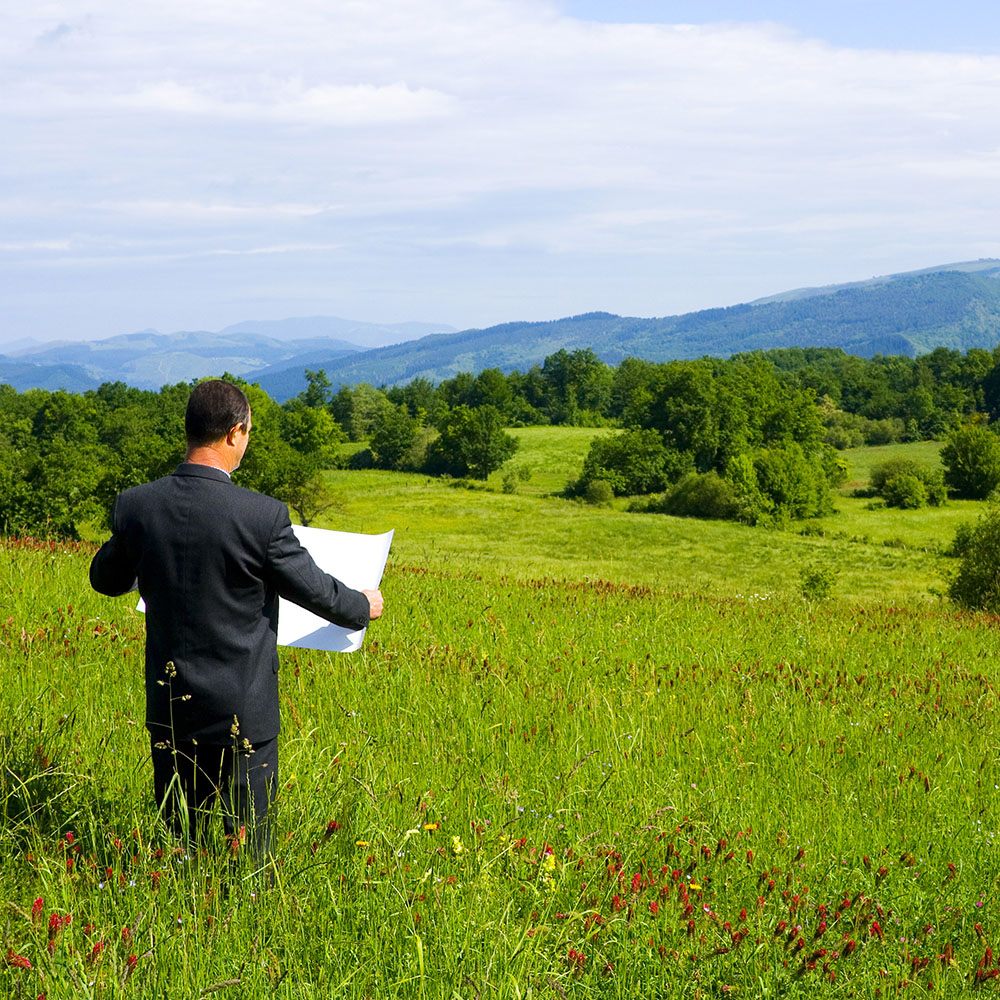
(456, 845)
(654, 908)
(16, 961)
(36, 910)
(434, 826)
(361, 843)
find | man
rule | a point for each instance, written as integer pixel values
(210, 560)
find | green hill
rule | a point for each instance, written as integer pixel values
(955, 306)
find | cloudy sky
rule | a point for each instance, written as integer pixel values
(193, 164)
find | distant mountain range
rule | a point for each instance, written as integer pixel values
(953, 305)
(149, 359)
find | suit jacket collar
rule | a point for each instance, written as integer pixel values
(202, 471)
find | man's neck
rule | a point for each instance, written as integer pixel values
(212, 457)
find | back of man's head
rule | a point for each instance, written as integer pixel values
(213, 409)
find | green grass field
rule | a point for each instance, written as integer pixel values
(585, 753)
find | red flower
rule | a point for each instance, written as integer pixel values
(36, 910)
(654, 908)
(16, 961)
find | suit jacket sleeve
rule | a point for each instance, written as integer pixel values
(114, 569)
(298, 579)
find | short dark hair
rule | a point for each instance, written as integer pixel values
(213, 409)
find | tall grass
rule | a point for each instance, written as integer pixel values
(526, 783)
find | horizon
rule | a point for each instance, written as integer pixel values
(27, 345)
(481, 163)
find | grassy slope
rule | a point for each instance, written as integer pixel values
(876, 554)
(633, 738)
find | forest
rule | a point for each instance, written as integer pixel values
(754, 437)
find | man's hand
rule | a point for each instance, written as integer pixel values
(374, 603)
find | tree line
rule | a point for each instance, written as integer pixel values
(753, 437)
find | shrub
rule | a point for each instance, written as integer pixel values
(792, 481)
(976, 584)
(599, 493)
(886, 431)
(971, 458)
(905, 491)
(633, 462)
(701, 495)
(752, 506)
(932, 479)
(962, 541)
(817, 583)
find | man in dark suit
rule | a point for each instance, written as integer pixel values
(210, 560)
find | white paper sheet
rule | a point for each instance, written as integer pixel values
(357, 560)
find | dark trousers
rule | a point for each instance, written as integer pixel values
(188, 778)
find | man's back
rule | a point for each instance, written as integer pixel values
(211, 560)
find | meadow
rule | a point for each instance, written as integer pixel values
(584, 753)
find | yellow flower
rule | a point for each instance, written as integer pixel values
(456, 845)
(430, 826)
(361, 843)
(693, 886)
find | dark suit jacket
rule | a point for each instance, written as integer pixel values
(210, 560)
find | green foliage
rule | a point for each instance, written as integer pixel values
(971, 458)
(472, 442)
(599, 493)
(901, 471)
(817, 583)
(976, 583)
(393, 438)
(704, 494)
(794, 485)
(631, 462)
(905, 491)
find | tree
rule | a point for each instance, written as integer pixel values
(472, 442)
(633, 462)
(971, 459)
(393, 438)
(976, 584)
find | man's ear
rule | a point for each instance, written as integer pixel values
(232, 434)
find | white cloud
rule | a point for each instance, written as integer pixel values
(392, 127)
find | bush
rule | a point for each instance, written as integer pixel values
(817, 583)
(886, 431)
(705, 495)
(971, 458)
(905, 491)
(633, 462)
(793, 482)
(599, 493)
(976, 585)
(962, 542)
(931, 478)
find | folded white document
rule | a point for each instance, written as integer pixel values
(357, 560)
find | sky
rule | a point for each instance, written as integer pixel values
(471, 162)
